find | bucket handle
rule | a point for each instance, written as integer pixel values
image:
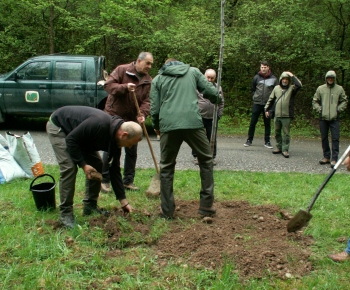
(42, 175)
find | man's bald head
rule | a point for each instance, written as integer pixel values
(133, 129)
(129, 134)
(210, 74)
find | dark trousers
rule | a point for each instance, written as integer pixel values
(129, 165)
(69, 170)
(170, 143)
(282, 124)
(325, 127)
(208, 125)
(257, 111)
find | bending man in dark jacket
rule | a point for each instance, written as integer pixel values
(283, 95)
(175, 115)
(120, 85)
(76, 134)
(262, 85)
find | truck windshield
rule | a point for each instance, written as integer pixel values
(35, 71)
(4, 75)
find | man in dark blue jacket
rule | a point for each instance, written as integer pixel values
(77, 134)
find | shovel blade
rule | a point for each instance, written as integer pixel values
(298, 221)
(154, 188)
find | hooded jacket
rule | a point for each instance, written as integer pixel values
(329, 100)
(174, 100)
(262, 87)
(284, 95)
(89, 130)
(120, 101)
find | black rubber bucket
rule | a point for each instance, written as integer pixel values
(44, 193)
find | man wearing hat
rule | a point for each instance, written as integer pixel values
(329, 100)
(282, 99)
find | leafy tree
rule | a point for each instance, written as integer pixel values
(305, 37)
(292, 35)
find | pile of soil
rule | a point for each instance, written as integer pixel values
(253, 238)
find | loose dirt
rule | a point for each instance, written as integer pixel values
(253, 238)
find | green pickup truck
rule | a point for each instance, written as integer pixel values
(44, 83)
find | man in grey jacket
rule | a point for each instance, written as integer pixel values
(329, 100)
(206, 109)
(262, 85)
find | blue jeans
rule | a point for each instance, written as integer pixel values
(334, 127)
(348, 247)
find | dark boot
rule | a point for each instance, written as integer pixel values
(90, 208)
(67, 220)
(207, 211)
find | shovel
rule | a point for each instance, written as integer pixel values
(154, 188)
(302, 217)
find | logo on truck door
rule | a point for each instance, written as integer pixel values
(32, 96)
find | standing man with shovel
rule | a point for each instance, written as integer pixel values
(123, 82)
(344, 255)
(175, 115)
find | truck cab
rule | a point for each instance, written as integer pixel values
(42, 84)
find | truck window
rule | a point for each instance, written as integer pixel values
(35, 71)
(67, 71)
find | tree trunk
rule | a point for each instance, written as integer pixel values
(51, 29)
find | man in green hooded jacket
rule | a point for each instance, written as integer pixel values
(282, 99)
(329, 100)
(175, 115)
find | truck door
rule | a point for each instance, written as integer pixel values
(28, 90)
(68, 83)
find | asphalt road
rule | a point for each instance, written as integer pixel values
(232, 155)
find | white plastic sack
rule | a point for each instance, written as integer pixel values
(9, 168)
(23, 149)
(3, 142)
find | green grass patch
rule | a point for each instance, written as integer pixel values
(301, 127)
(34, 256)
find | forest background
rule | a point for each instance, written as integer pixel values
(306, 37)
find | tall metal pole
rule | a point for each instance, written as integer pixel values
(215, 117)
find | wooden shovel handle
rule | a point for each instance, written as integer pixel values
(145, 132)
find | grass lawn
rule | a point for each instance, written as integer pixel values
(35, 256)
